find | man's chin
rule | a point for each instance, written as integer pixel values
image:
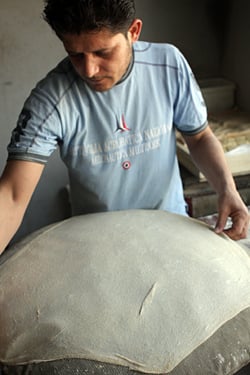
(101, 85)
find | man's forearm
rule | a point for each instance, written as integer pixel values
(10, 219)
(208, 155)
(17, 185)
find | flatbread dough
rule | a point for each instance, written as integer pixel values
(139, 288)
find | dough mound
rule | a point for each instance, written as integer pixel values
(138, 288)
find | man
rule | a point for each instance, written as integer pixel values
(112, 107)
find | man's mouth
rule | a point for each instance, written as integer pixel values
(95, 80)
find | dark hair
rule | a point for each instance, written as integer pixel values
(77, 16)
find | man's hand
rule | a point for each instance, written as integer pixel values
(209, 157)
(231, 205)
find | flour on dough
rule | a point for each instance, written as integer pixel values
(139, 288)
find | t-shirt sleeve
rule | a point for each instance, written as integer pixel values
(190, 112)
(37, 132)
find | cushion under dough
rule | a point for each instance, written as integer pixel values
(141, 289)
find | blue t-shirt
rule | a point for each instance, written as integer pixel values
(119, 145)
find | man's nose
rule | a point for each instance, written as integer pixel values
(90, 66)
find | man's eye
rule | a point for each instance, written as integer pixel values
(103, 53)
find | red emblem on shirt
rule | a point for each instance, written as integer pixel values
(121, 125)
(126, 165)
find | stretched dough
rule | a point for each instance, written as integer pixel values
(139, 288)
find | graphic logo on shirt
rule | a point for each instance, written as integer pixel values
(24, 117)
(121, 125)
(126, 165)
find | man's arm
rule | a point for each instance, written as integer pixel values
(17, 185)
(209, 157)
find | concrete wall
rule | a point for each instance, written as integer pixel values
(28, 49)
(236, 61)
(195, 27)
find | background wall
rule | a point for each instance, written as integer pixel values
(196, 27)
(212, 34)
(236, 57)
(28, 49)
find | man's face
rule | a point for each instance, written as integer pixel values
(101, 58)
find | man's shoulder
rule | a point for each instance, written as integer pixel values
(62, 73)
(57, 82)
(156, 51)
(151, 47)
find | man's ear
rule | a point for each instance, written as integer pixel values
(135, 30)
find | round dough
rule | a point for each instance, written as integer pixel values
(139, 288)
